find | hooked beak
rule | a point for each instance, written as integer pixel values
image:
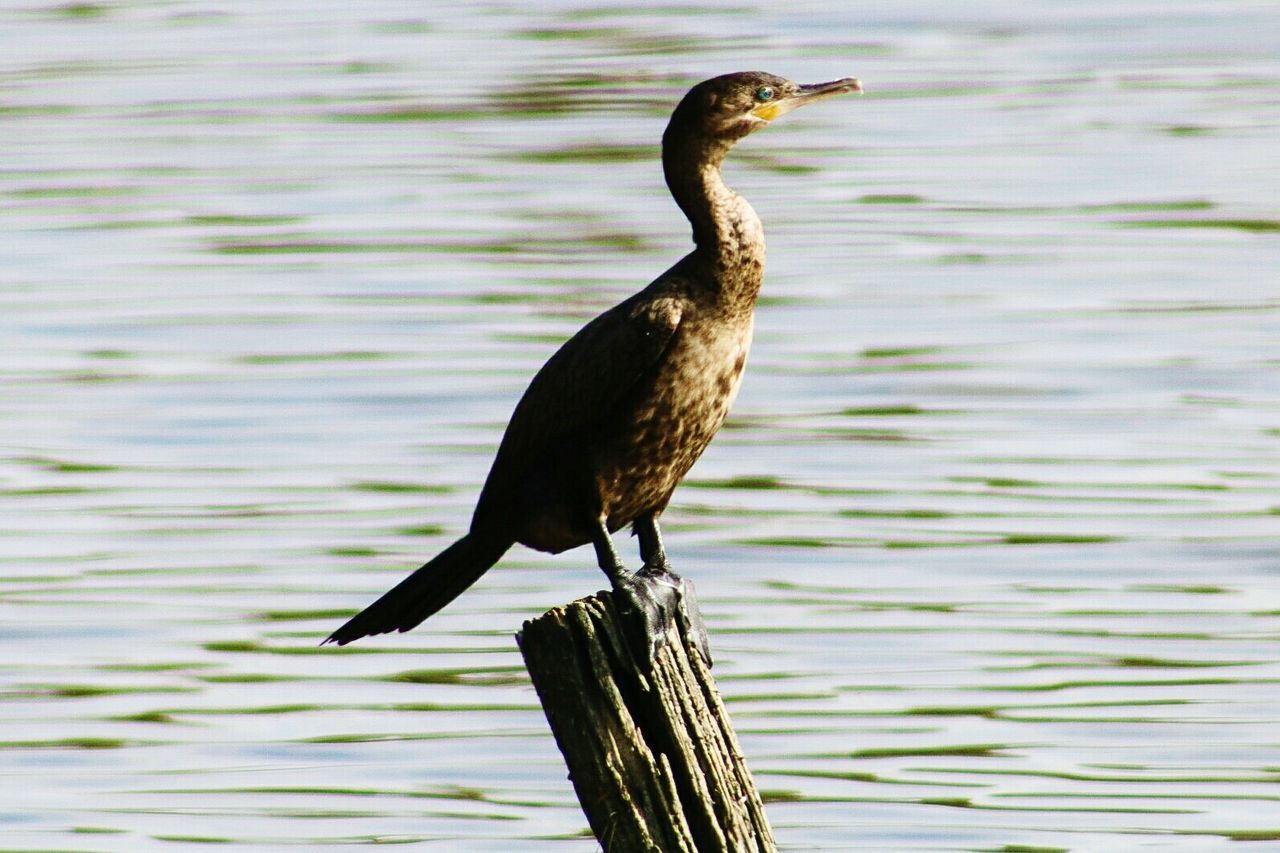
(807, 95)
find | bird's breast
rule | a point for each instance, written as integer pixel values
(674, 416)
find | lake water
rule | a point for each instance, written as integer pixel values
(989, 550)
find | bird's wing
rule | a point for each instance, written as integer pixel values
(584, 382)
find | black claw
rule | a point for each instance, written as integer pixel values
(691, 617)
(659, 599)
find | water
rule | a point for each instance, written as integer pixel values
(989, 550)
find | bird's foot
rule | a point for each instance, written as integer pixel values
(662, 598)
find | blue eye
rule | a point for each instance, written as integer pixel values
(764, 93)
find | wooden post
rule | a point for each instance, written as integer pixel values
(651, 752)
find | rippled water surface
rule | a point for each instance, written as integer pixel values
(988, 549)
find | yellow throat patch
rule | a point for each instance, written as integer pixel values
(768, 112)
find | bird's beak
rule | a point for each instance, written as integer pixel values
(808, 93)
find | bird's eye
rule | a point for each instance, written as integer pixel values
(764, 93)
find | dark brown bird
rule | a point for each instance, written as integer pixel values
(614, 420)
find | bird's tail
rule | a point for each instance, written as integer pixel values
(425, 591)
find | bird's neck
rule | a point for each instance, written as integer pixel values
(727, 234)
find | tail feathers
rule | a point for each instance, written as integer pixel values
(425, 591)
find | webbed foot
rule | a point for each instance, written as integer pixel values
(662, 599)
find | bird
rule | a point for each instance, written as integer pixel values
(613, 421)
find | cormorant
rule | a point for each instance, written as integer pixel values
(612, 422)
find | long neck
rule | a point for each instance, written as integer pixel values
(727, 234)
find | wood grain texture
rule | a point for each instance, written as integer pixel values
(651, 752)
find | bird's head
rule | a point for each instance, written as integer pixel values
(728, 107)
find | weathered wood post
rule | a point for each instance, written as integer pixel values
(651, 752)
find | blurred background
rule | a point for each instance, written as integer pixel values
(988, 549)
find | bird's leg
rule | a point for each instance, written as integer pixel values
(651, 550)
(646, 603)
(657, 570)
(635, 596)
(606, 555)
